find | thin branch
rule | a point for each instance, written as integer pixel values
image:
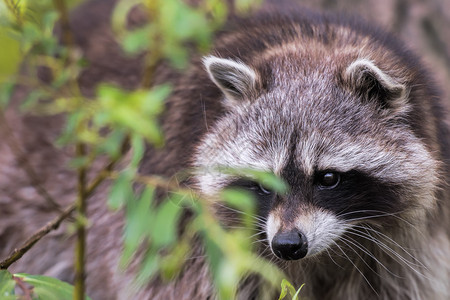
(16, 149)
(52, 225)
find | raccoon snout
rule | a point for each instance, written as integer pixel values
(290, 245)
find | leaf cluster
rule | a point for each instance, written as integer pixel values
(115, 117)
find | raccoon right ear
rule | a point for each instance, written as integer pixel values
(236, 80)
(375, 84)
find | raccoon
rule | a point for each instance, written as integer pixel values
(350, 120)
(337, 108)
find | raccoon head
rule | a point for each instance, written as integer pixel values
(337, 134)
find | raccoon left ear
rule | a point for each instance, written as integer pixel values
(374, 84)
(236, 80)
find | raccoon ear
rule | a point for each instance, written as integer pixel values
(236, 80)
(374, 84)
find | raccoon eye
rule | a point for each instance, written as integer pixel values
(329, 180)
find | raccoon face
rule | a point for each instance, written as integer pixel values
(337, 135)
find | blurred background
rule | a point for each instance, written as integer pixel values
(423, 25)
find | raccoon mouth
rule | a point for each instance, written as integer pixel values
(290, 245)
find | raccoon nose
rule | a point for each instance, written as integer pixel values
(290, 245)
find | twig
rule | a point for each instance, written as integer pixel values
(52, 225)
(80, 247)
(13, 144)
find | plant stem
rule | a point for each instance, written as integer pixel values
(80, 247)
(67, 35)
(153, 57)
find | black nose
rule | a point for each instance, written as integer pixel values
(290, 245)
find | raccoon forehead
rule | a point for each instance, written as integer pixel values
(244, 145)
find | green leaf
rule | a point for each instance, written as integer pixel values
(7, 285)
(119, 17)
(239, 198)
(138, 149)
(296, 295)
(79, 162)
(133, 111)
(267, 179)
(153, 101)
(31, 100)
(286, 287)
(48, 288)
(284, 292)
(137, 220)
(36, 10)
(219, 11)
(171, 263)
(163, 230)
(214, 254)
(69, 133)
(149, 267)
(65, 75)
(227, 279)
(6, 90)
(112, 144)
(177, 54)
(121, 191)
(243, 6)
(5, 14)
(138, 40)
(31, 34)
(48, 21)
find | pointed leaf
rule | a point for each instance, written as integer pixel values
(121, 191)
(48, 288)
(7, 285)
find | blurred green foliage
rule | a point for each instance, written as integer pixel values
(115, 117)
